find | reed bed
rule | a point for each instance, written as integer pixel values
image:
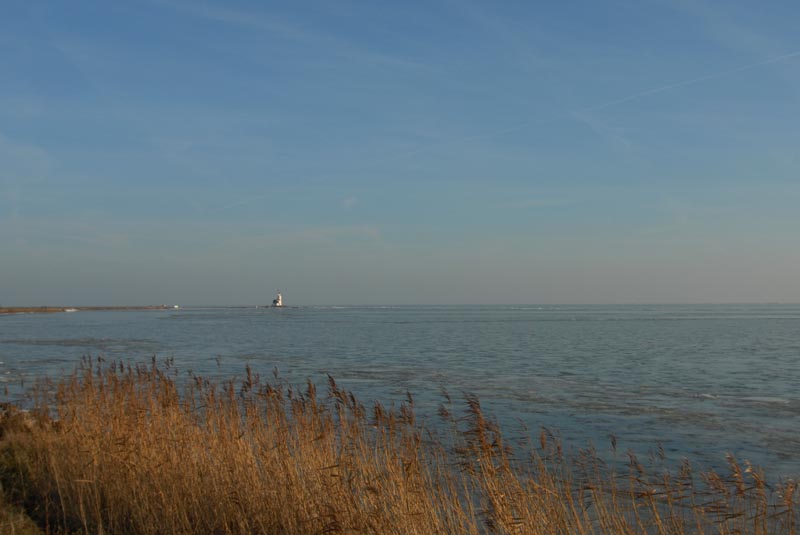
(134, 449)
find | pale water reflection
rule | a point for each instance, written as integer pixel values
(698, 380)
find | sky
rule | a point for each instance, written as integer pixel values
(437, 152)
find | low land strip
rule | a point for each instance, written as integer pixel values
(53, 309)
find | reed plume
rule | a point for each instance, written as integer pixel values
(124, 449)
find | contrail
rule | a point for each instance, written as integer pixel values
(595, 107)
(610, 103)
(237, 204)
(693, 81)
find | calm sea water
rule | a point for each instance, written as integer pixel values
(697, 380)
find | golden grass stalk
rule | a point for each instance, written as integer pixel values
(127, 450)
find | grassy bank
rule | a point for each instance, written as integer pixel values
(132, 449)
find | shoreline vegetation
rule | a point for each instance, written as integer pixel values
(139, 448)
(54, 309)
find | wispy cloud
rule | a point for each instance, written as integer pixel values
(238, 17)
(22, 165)
(541, 202)
(609, 133)
(512, 34)
(346, 203)
(239, 203)
(278, 237)
(283, 28)
(337, 233)
(47, 233)
(20, 106)
(721, 27)
(691, 81)
(22, 161)
(582, 113)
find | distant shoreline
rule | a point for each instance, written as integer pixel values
(53, 309)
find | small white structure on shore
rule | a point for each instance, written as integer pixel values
(278, 301)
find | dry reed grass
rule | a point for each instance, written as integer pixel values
(129, 450)
(14, 521)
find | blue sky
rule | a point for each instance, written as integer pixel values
(197, 152)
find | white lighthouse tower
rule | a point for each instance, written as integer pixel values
(278, 301)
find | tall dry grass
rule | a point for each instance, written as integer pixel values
(130, 449)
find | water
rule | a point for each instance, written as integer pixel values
(699, 381)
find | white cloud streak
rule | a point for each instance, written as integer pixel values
(272, 24)
(580, 113)
(692, 81)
